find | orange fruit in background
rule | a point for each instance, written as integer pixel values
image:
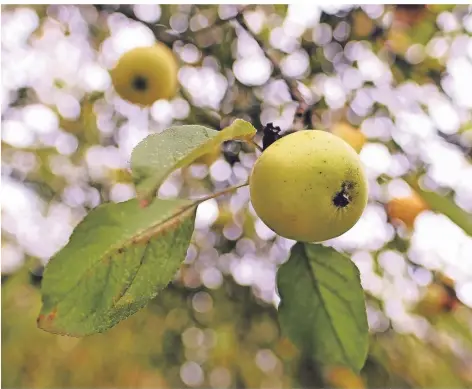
(435, 301)
(349, 134)
(144, 75)
(362, 24)
(398, 41)
(409, 15)
(406, 209)
(341, 377)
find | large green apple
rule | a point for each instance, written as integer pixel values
(309, 186)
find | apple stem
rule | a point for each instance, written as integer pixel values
(256, 145)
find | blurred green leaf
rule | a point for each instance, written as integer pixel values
(401, 353)
(458, 324)
(322, 305)
(444, 205)
(158, 155)
(377, 376)
(423, 31)
(280, 9)
(118, 258)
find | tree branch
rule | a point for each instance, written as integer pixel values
(221, 22)
(302, 110)
(157, 29)
(454, 139)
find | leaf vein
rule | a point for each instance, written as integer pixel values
(332, 269)
(123, 292)
(312, 274)
(124, 244)
(343, 298)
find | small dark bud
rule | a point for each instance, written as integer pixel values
(36, 276)
(271, 134)
(231, 151)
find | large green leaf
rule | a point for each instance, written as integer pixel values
(444, 205)
(158, 155)
(117, 259)
(322, 305)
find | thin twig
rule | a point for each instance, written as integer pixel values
(455, 140)
(157, 29)
(231, 189)
(222, 22)
(210, 117)
(252, 141)
(451, 139)
(295, 93)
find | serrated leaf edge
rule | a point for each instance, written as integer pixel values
(145, 198)
(323, 302)
(307, 260)
(143, 237)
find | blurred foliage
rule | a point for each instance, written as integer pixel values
(212, 327)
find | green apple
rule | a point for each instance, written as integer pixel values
(309, 186)
(145, 74)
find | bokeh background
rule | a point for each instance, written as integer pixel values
(396, 81)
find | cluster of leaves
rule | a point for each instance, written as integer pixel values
(122, 254)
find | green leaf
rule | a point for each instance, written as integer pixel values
(400, 354)
(117, 259)
(444, 205)
(322, 306)
(158, 155)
